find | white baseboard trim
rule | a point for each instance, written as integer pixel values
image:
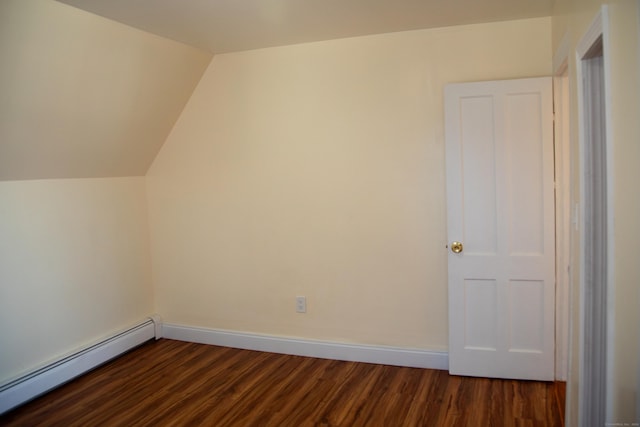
(383, 355)
(27, 387)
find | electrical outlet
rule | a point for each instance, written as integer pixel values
(301, 304)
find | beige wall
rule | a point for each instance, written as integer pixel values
(318, 170)
(573, 18)
(74, 266)
(83, 96)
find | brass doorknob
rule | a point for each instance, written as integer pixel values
(456, 247)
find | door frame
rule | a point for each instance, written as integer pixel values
(562, 150)
(563, 218)
(596, 310)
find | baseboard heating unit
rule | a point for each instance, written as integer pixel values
(27, 387)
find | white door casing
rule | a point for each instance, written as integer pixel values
(500, 204)
(563, 218)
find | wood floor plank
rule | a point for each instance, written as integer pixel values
(172, 383)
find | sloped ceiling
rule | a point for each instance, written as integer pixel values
(231, 25)
(82, 96)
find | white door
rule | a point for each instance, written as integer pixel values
(500, 204)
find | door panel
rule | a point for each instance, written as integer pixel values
(500, 204)
(479, 205)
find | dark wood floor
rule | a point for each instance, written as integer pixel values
(172, 383)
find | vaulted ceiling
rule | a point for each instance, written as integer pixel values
(232, 25)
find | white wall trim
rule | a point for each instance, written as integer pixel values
(638, 354)
(563, 218)
(586, 393)
(611, 256)
(396, 356)
(32, 385)
(562, 146)
(594, 31)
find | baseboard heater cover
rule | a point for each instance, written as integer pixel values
(32, 385)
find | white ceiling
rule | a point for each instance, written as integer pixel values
(220, 26)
